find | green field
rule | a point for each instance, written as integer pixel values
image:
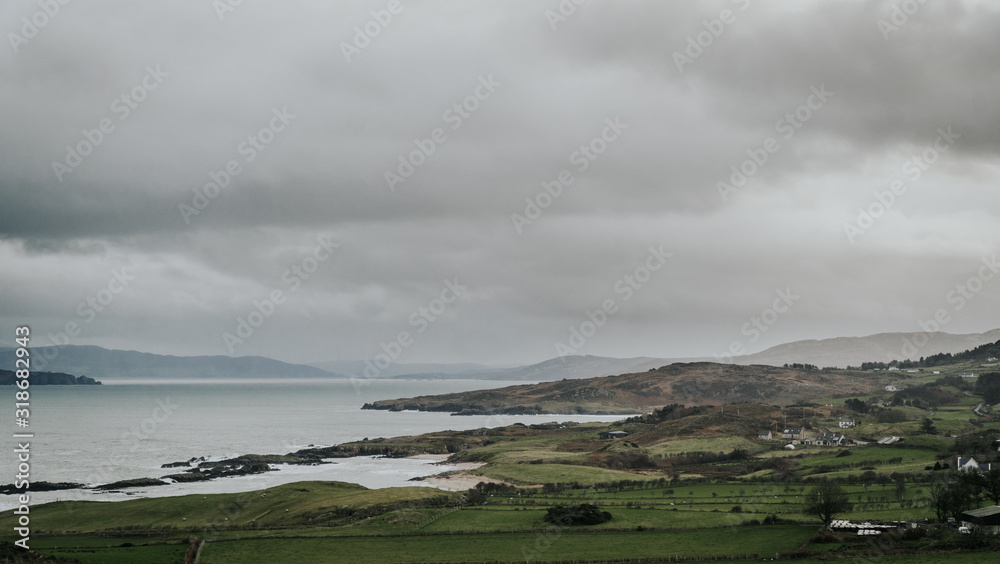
(289, 505)
(556, 473)
(103, 551)
(548, 544)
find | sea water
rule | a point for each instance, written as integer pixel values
(128, 429)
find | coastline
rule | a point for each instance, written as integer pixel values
(459, 478)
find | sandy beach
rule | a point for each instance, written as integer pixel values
(459, 478)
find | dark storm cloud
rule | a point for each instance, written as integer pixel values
(505, 105)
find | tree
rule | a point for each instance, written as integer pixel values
(854, 404)
(927, 427)
(940, 500)
(988, 386)
(991, 484)
(581, 514)
(953, 496)
(825, 501)
(900, 488)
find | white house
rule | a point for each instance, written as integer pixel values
(764, 435)
(970, 465)
(846, 422)
(891, 388)
(829, 439)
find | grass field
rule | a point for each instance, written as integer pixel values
(713, 444)
(295, 504)
(649, 520)
(553, 473)
(107, 551)
(552, 544)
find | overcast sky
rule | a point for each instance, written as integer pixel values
(643, 109)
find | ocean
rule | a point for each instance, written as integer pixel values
(128, 429)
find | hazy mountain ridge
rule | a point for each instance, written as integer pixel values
(840, 352)
(104, 363)
(882, 347)
(356, 368)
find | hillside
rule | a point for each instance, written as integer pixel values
(701, 383)
(852, 351)
(8, 378)
(103, 363)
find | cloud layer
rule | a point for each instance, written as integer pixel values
(847, 151)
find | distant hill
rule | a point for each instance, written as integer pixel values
(852, 351)
(837, 352)
(571, 367)
(357, 368)
(702, 383)
(577, 367)
(9, 377)
(103, 363)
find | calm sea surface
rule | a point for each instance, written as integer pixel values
(121, 430)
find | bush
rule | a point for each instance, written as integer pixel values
(914, 534)
(581, 514)
(824, 537)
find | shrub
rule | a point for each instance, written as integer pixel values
(580, 514)
(914, 534)
(824, 537)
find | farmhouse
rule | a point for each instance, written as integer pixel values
(607, 435)
(891, 388)
(764, 435)
(792, 433)
(986, 517)
(829, 439)
(970, 465)
(846, 422)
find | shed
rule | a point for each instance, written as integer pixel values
(987, 517)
